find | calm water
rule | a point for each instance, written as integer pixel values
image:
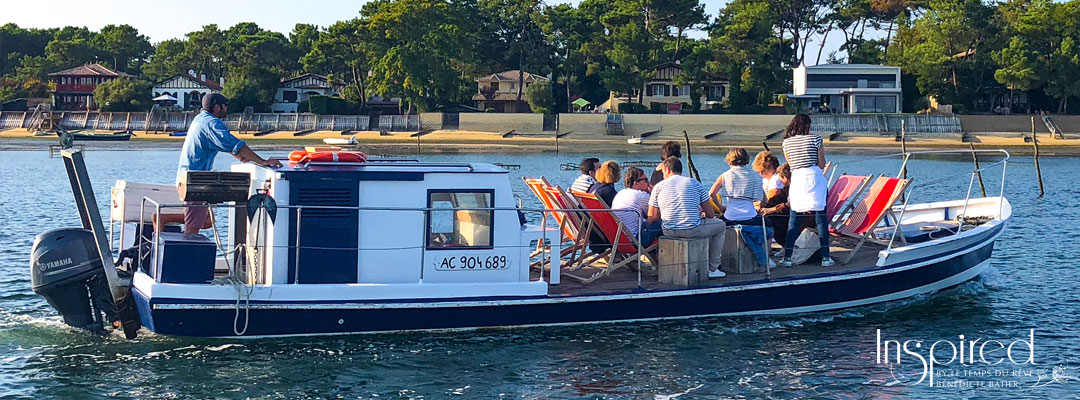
(1031, 285)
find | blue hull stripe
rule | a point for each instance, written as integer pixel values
(306, 321)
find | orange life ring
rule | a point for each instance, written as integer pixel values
(327, 156)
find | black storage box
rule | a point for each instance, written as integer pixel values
(185, 258)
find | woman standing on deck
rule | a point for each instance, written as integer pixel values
(805, 154)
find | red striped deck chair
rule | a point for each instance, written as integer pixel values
(537, 185)
(868, 213)
(583, 227)
(624, 243)
(569, 231)
(846, 187)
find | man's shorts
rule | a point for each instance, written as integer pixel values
(195, 216)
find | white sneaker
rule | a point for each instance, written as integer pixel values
(827, 262)
(716, 274)
(772, 264)
(778, 253)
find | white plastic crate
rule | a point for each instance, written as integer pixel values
(127, 198)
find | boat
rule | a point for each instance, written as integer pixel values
(102, 137)
(340, 142)
(634, 140)
(331, 248)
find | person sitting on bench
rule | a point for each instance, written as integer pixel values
(683, 206)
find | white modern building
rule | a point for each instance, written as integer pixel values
(847, 88)
(187, 89)
(295, 90)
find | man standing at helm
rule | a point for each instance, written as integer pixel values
(206, 136)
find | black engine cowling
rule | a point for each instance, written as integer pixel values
(66, 270)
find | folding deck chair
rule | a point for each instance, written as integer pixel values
(569, 230)
(623, 241)
(846, 187)
(583, 224)
(868, 213)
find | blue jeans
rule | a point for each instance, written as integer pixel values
(821, 219)
(650, 232)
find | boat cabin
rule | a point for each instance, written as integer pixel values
(394, 228)
(381, 223)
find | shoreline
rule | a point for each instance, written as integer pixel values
(461, 142)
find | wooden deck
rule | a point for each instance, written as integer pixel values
(626, 279)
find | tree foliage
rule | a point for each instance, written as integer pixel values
(124, 46)
(123, 95)
(429, 52)
(540, 98)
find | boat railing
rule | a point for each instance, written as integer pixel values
(972, 174)
(543, 217)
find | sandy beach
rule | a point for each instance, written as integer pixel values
(458, 141)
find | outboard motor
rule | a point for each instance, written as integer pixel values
(66, 270)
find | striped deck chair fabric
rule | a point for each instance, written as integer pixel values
(538, 186)
(868, 213)
(844, 189)
(583, 228)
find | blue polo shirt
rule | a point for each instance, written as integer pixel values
(206, 136)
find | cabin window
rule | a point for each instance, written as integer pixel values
(449, 226)
(288, 96)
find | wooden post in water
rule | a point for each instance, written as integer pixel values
(903, 147)
(1038, 171)
(975, 158)
(689, 160)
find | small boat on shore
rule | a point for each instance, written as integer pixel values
(102, 137)
(325, 248)
(340, 141)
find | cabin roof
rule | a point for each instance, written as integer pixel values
(388, 167)
(512, 75)
(93, 69)
(209, 84)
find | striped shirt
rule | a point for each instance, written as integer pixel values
(636, 204)
(802, 150)
(679, 199)
(583, 183)
(741, 188)
(742, 183)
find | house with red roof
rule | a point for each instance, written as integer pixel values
(294, 90)
(499, 91)
(75, 86)
(188, 89)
